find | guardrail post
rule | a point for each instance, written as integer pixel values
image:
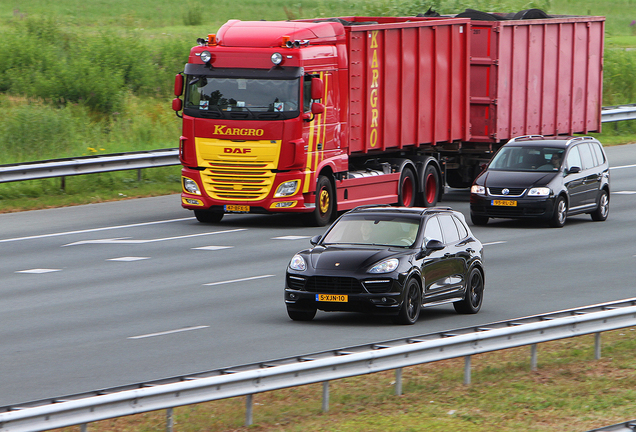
(63, 183)
(169, 420)
(467, 370)
(533, 357)
(83, 427)
(139, 175)
(398, 382)
(597, 346)
(248, 410)
(325, 396)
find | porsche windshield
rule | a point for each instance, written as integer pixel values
(242, 98)
(370, 231)
(531, 158)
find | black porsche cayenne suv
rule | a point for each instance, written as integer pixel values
(390, 261)
(543, 178)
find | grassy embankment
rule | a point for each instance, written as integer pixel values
(80, 78)
(569, 392)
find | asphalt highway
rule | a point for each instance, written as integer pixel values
(110, 294)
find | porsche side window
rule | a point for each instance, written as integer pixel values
(463, 232)
(451, 235)
(432, 231)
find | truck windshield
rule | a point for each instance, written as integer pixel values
(242, 98)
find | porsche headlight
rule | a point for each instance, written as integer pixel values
(298, 263)
(539, 192)
(385, 266)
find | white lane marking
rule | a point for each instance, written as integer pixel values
(128, 259)
(39, 271)
(623, 166)
(239, 280)
(128, 240)
(168, 332)
(212, 248)
(93, 230)
(494, 243)
(624, 193)
(291, 237)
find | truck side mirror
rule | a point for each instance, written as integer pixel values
(178, 85)
(177, 104)
(317, 88)
(317, 108)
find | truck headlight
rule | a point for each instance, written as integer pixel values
(286, 189)
(539, 192)
(191, 186)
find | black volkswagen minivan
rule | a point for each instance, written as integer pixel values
(547, 178)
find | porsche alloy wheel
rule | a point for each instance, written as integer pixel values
(412, 304)
(474, 294)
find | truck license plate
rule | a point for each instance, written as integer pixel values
(340, 298)
(507, 203)
(233, 208)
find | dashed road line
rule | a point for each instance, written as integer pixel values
(128, 240)
(239, 280)
(39, 271)
(128, 259)
(185, 329)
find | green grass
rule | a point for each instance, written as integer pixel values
(570, 391)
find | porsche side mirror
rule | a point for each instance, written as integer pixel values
(434, 245)
(314, 240)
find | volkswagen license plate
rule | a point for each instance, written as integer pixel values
(507, 203)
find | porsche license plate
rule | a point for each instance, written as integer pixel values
(340, 298)
(507, 203)
(232, 208)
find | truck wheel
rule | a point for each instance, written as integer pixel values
(325, 203)
(406, 195)
(431, 187)
(208, 216)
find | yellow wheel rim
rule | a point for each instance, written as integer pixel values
(324, 201)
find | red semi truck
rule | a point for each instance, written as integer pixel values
(320, 116)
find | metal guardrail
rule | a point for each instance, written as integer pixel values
(618, 113)
(322, 367)
(165, 157)
(88, 165)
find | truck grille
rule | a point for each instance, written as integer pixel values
(240, 181)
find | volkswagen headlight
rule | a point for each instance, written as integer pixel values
(476, 189)
(539, 192)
